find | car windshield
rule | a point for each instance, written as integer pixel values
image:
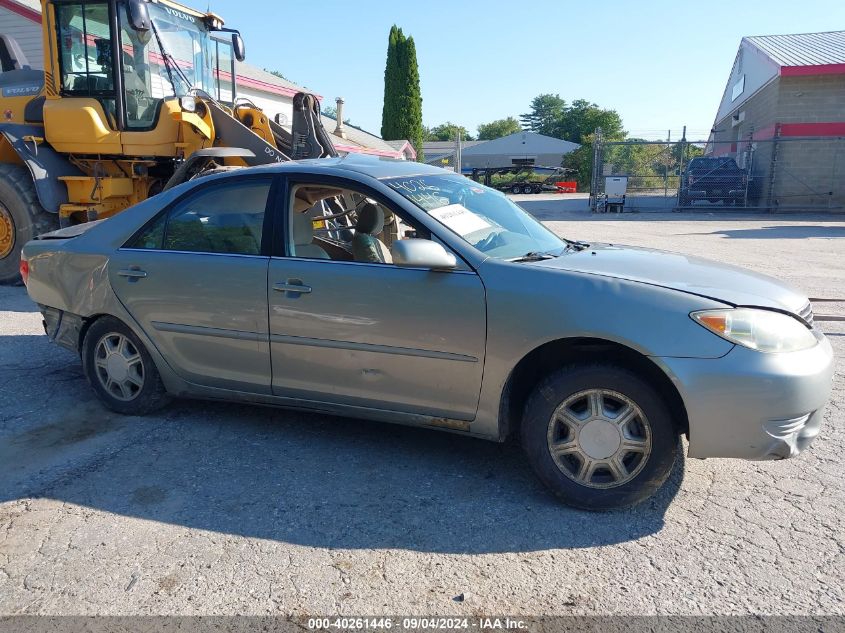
(482, 217)
(711, 163)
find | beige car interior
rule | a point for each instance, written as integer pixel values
(343, 225)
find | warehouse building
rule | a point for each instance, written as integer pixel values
(21, 19)
(521, 148)
(782, 116)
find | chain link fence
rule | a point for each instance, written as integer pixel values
(776, 174)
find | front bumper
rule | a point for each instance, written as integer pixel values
(726, 192)
(754, 405)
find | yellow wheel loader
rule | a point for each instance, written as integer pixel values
(136, 96)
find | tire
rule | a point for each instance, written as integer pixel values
(21, 219)
(515, 189)
(652, 438)
(527, 189)
(142, 391)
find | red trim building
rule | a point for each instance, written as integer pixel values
(782, 116)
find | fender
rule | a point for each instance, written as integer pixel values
(44, 163)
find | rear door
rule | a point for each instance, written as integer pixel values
(195, 279)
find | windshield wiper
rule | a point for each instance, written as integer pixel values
(578, 246)
(533, 256)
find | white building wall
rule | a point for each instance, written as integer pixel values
(26, 32)
(272, 105)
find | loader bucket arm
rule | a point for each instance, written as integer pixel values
(310, 139)
(229, 132)
(233, 139)
(307, 139)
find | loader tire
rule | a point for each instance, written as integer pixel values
(21, 219)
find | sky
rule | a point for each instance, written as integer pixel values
(661, 65)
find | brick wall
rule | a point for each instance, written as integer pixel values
(818, 99)
(809, 173)
(791, 173)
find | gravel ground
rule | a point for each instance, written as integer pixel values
(223, 509)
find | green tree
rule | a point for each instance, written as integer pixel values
(546, 110)
(578, 123)
(581, 119)
(402, 110)
(498, 129)
(392, 92)
(446, 132)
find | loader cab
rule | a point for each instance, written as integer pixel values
(132, 56)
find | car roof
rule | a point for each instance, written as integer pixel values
(373, 166)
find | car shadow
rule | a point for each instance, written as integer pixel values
(306, 479)
(15, 299)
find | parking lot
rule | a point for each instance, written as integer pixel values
(213, 508)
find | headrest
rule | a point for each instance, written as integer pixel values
(307, 197)
(370, 219)
(303, 229)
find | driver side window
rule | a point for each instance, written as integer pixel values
(341, 224)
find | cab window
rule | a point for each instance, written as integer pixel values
(85, 52)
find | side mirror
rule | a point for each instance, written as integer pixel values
(416, 253)
(139, 16)
(238, 47)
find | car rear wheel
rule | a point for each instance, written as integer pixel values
(120, 370)
(599, 437)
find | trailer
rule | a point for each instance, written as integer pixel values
(551, 184)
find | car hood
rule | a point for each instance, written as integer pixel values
(694, 275)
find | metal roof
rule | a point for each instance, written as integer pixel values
(803, 49)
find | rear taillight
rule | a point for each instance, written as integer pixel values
(24, 270)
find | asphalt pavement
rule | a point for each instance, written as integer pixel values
(210, 508)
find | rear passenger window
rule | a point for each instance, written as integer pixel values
(226, 219)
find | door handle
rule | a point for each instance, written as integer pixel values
(294, 286)
(132, 273)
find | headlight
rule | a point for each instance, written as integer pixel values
(189, 104)
(763, 330)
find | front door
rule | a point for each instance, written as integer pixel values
(372, 334)
(195, 279)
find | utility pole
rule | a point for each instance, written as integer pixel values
(458, 157)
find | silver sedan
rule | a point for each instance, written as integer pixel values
(400, 292)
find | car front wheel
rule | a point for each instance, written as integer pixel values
(599, 437)
(120, 370)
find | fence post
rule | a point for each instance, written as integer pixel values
(594, 179)
(683, 152)
(773, 170)
(749, 168)
(668, 157)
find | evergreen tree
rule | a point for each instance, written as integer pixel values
(413, 130)
(389, 112)
(402, 110)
